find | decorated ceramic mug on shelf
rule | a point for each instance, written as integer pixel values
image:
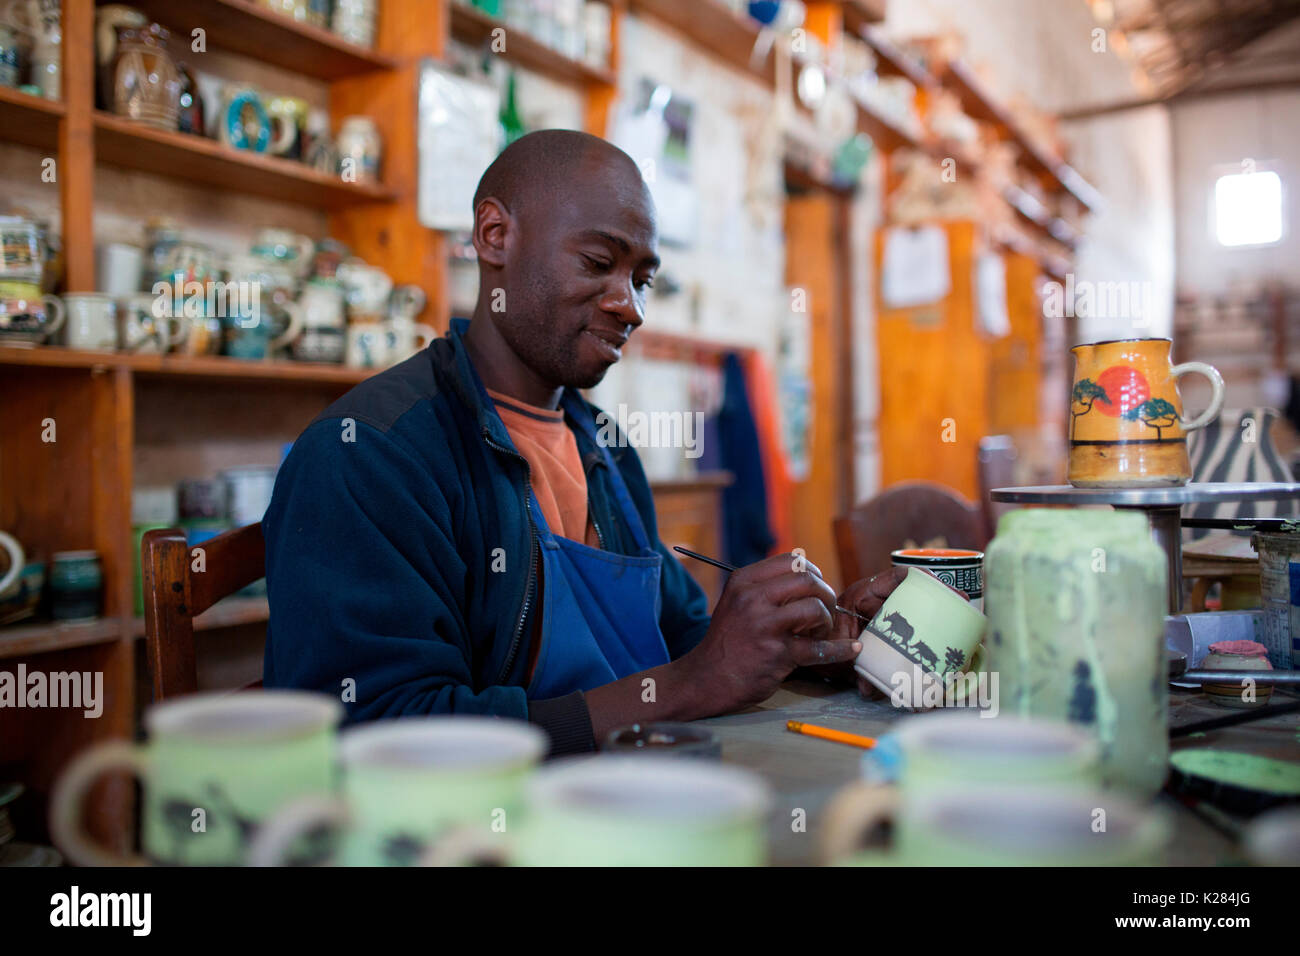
(1126, 417)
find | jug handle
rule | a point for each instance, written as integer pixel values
(1216, 399)
(851, 815)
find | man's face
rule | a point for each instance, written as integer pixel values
(576, 280)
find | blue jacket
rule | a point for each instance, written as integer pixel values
(400, 554)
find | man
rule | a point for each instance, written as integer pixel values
(452, 537)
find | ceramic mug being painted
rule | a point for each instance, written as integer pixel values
(923, 629)
(236, 757)
(407, 781)
(1126, 418)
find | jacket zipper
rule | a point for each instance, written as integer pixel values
(532, 556)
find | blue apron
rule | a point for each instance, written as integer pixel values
(600, 610)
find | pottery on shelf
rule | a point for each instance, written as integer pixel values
(146, 82)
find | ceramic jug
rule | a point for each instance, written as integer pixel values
(1126, 418)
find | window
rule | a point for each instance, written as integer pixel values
(1248, 208)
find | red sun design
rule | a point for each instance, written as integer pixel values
(1126, 387)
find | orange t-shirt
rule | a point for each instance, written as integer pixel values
(559, 483)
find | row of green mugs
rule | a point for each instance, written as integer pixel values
(262, 776)
(994, 791)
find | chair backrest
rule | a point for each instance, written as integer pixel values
(919, 512)
(997, 468)
(178, 585)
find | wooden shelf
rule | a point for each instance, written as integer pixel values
(217, 368)
(30, 120)
(473, 26)
(729, 37)
(859, 14)
(892, 60)
(250, 29)
(196, 159)
(38, 637)
(978, 104)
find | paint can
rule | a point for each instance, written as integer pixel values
(1279, 588)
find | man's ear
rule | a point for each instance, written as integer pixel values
(494, 229)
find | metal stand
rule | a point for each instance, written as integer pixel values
(1163, 507)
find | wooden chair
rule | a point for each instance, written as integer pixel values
(919, 512)
(997, 469)
(174, 594)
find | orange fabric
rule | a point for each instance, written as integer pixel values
(761, 388)
(558, 481)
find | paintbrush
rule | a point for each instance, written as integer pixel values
(1245, 716)
(731, 567)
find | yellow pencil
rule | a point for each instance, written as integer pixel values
(825, 733)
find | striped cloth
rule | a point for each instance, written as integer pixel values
(1221, 453)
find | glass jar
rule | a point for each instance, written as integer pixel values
(146, 82)
(1076, 603)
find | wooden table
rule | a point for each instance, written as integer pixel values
(805, 772)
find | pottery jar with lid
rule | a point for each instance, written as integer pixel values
(1237, 656)
(146, 82)
(1076, 602)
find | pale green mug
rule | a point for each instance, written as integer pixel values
(923, 633)
(407, 781)
(976, 790)
(215, 767)
(1006, 826)
(630, 811)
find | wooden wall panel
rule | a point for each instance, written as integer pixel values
(934, 378)
(810, 260)
(1017, 357)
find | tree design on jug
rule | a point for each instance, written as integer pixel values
(1156, 413)
(954, 660)
(1086, 391)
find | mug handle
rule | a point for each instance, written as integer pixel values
(851, 813)
(55, 305)
(294, 311)
(17, 559)
(271, 843)
(462, 846)
(70, 793)
(424, 334)
(1216, 400)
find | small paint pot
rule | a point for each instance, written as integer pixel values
(664, 739)
(956, 567)
(1237, 656)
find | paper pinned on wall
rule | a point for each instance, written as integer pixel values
(459, 136)
(991, 294)
(915, 267)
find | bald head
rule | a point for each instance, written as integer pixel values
(565, 232)
(545, 167)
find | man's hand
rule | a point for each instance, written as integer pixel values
(866, 597)
(769, 620)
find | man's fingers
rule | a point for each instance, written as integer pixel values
(805, 616)
(807, 653)
(793, 585)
